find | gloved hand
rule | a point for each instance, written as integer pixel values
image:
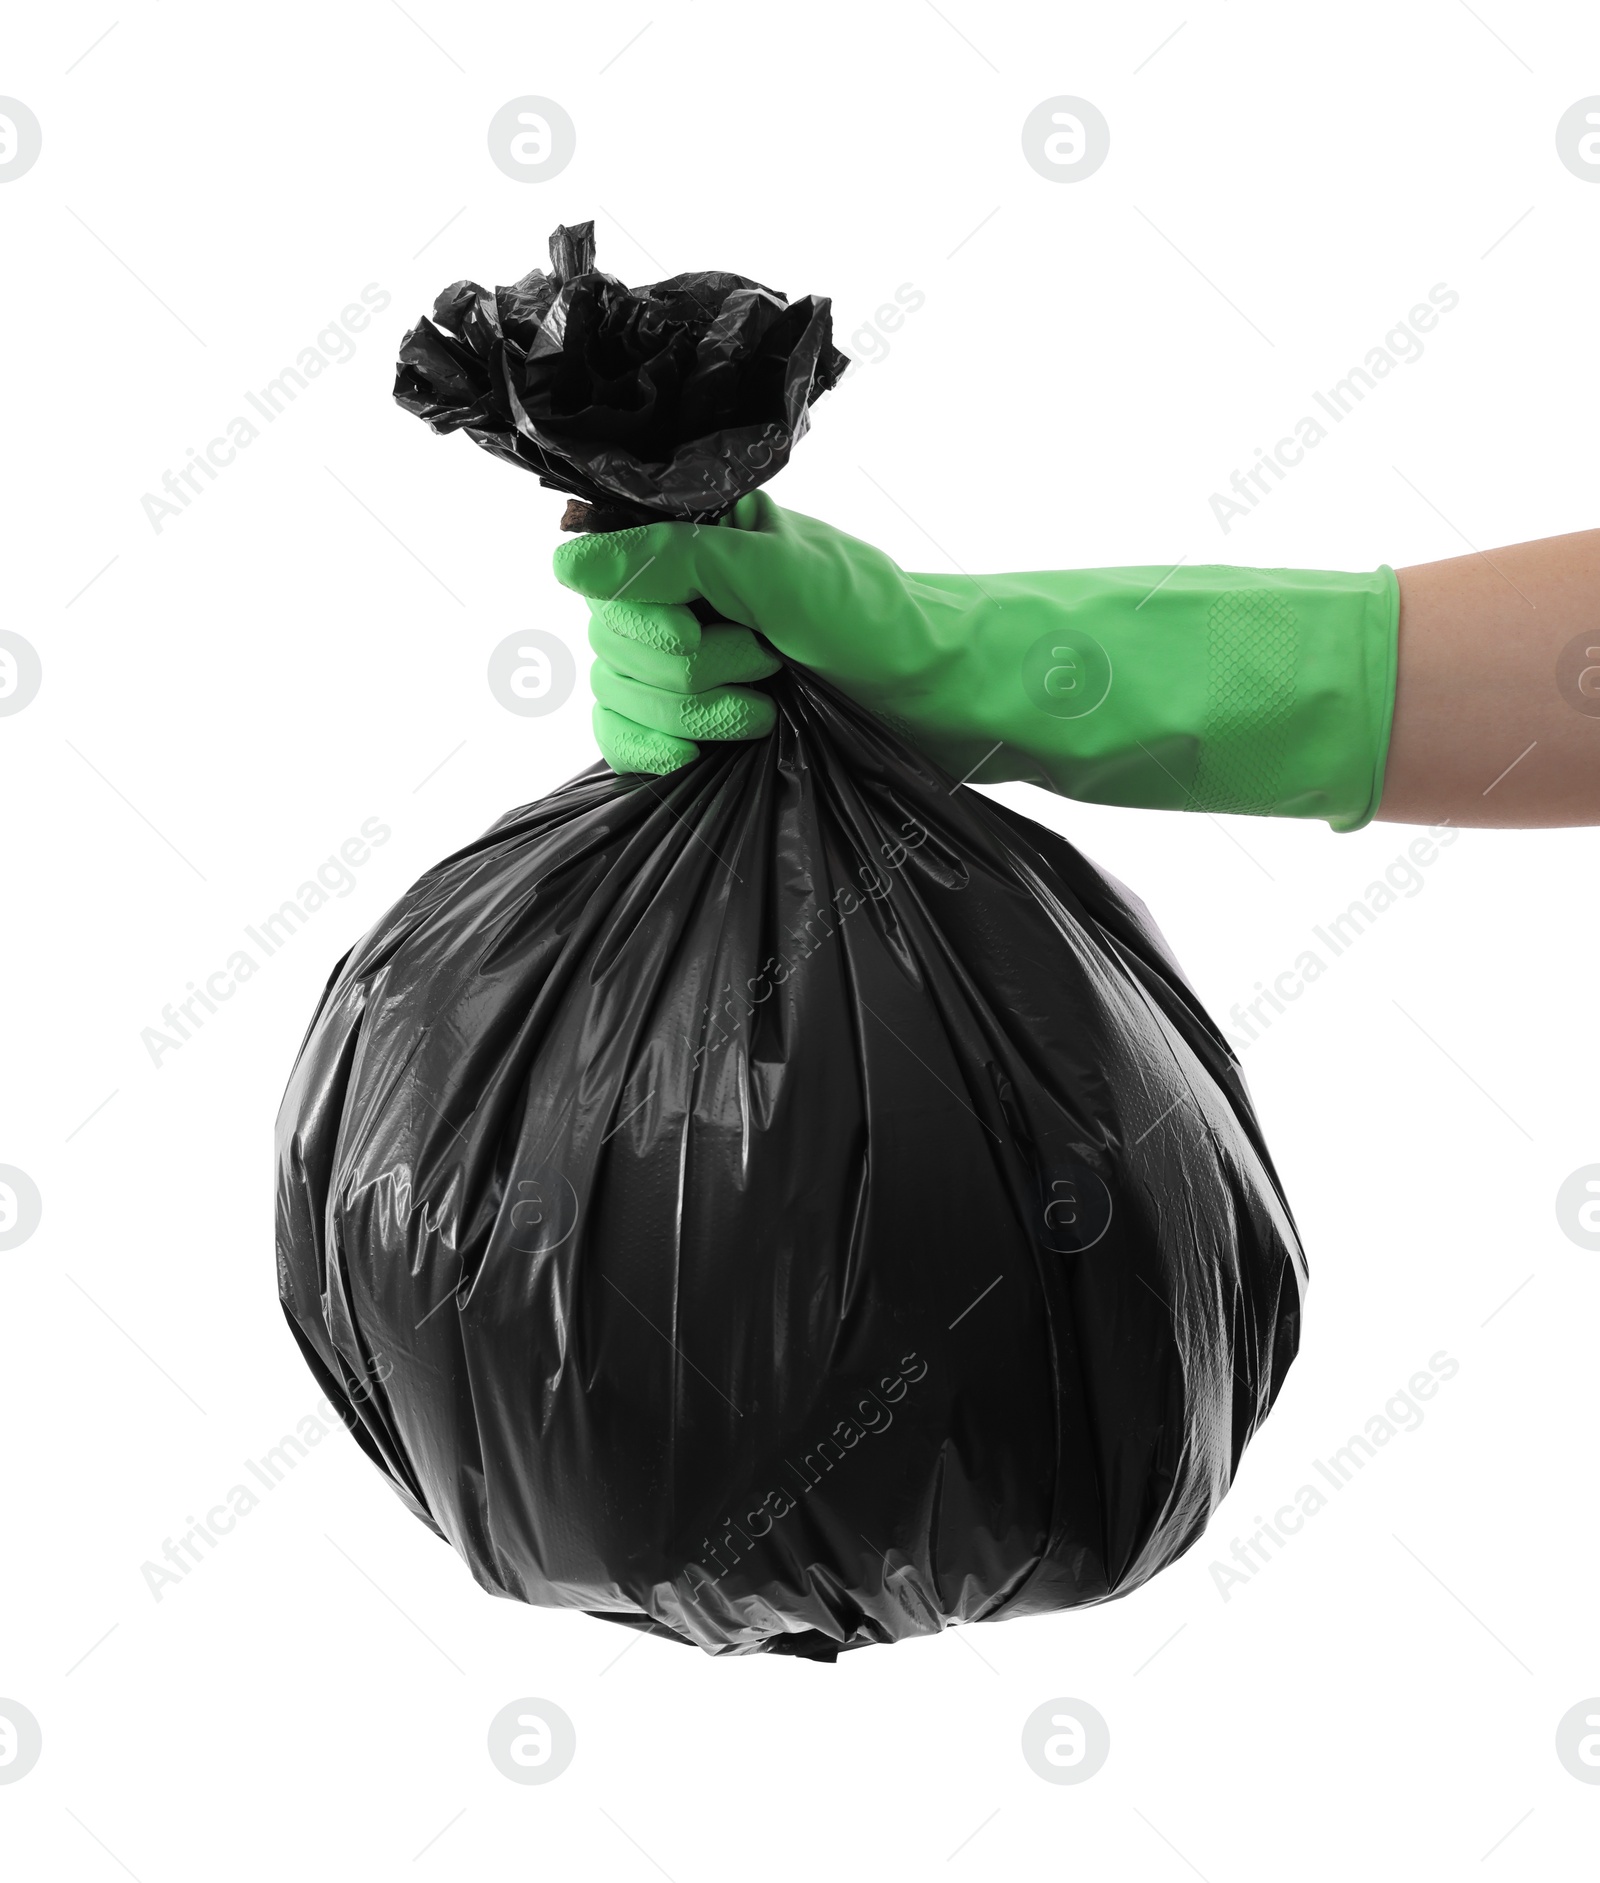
(1267, 691)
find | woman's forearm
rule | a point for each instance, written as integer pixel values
(1497, 701)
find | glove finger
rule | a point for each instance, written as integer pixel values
(662, 627)
(662, 562)
(628, 747)
(725, 655)
(655, 668)
(651, 563)
(729, 656)
(719, 713)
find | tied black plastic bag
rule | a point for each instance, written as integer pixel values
(790, 1204)
(665, 401)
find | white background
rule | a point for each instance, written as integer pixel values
(232, 696)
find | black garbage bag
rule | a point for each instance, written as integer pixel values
(790, 1204)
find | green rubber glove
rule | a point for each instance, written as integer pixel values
(1265, 691)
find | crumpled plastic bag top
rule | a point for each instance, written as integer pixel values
(667, 401)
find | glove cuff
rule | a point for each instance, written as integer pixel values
(1245, 692)
(1381, 668)
(1300, 681)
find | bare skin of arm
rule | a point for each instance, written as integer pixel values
(1497, 700)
